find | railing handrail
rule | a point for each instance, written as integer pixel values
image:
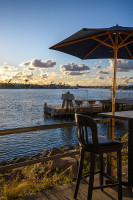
(42, 127)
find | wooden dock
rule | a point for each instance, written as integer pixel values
(87, 106)
(66, 192)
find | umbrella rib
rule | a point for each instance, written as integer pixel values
(102, 42)
(125, 44)
(125, 32)
(111, 39)
(125, 39)
(94, 49)
(78, 40)
(127, 48)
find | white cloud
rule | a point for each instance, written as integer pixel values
(22, 75)
(38, 63)
(74, 69)
(76, 73)
(97, 67)
(31, 69)
(122, 65)
(7, 67)
(99, 78)
(103, 72)
(100, 61)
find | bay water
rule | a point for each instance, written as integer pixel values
(25, 107)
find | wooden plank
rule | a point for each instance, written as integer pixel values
(79, 40)
(35, 128)
(42, 127)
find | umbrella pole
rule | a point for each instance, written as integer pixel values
(113, 99)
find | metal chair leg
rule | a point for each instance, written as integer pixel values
(119, 175)
(91, 179)
(101, 170)
(82, 153)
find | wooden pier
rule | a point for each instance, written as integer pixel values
(87, 106)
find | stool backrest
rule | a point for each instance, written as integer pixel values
(83, 122)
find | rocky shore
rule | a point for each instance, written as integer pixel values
(62, 164)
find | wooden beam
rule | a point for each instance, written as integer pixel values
(79, 40)
(111, 38)
(123, 40)
(127, 48)
(125, 32)
(35, 128)
(43, 127)
(125, 44)
(102, 42)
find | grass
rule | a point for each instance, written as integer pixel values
(13, 191)
(35, 179)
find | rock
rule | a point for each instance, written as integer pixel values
(54, 151)
(70, 147)
(10, 162)
(62, 148)
(66, 149)
(45, 153)
(36, 156)
(77, 147)
(21, 159)
(3, 163)
(63, 164)
(15, 158)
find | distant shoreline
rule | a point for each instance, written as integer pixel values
(58, 86)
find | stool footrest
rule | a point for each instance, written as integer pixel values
(105, 186)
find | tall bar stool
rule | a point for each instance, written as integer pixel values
(96, 145)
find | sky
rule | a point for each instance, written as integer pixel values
(29, 27)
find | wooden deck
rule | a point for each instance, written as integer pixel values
(66, 192)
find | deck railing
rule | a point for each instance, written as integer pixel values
(47, 127)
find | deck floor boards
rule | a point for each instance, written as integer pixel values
(66, 192)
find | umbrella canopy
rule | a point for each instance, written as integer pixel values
(99, 43)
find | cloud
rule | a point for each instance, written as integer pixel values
(38, 63)
(99, 78)
(122, 65)
(31, 69)
(43, 75)
(7, 67)
(103, 72)
(28, 63)
(124, 79)
(97, 62)
(75, 73)
(22, 75)
(97, 67)
(74, 69)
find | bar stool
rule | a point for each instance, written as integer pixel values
(96, 145)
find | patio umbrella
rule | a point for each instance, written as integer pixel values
(114, 42)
